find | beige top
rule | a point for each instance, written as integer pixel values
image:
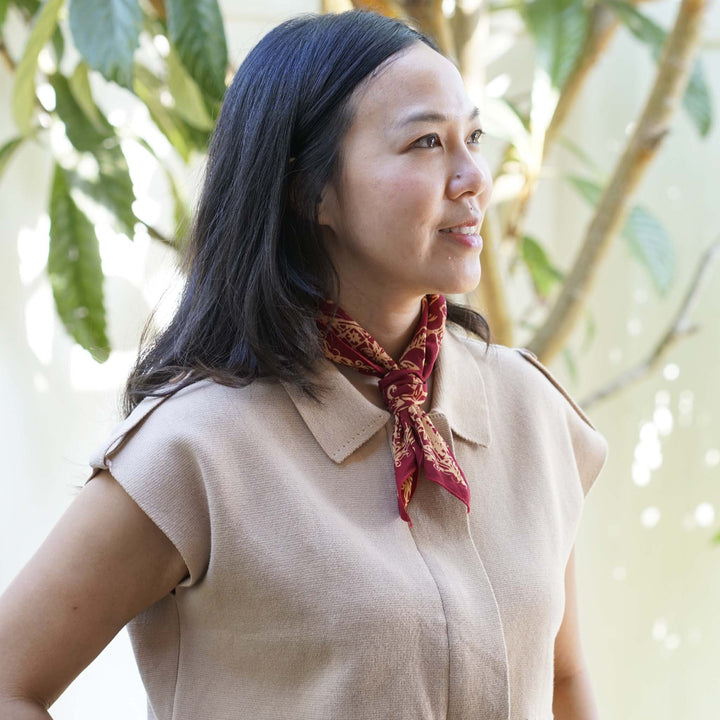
(308, 597)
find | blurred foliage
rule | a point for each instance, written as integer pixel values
(179, 76)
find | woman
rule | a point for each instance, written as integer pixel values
(324, 502)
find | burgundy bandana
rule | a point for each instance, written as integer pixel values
(415, 441)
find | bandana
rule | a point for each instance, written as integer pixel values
(416, 443)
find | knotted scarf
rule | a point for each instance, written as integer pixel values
(416, 443)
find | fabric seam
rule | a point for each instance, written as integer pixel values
(177, 661)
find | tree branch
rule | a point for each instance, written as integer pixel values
(157, 235)
(490, 294)
(390, 8)
(670, 82)
(602, 25)
(680, 327)
(9, 62)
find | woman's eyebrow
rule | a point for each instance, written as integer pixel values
(429, 116)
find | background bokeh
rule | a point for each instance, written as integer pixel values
(648, 574)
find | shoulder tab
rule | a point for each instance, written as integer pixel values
(532, 358)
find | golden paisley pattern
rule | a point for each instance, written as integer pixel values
(416, 443)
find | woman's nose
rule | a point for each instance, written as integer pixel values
(470, 176)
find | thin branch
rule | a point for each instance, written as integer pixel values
(9, 62)
(428, 14)
(490, 295)
(389, 8)
(670, 82)
(157, 235)
(680, 327)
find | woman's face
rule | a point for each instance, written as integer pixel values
(412, 167)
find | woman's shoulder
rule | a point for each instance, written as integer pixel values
(520, 367)
(201, 410)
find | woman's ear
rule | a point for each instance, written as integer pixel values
(327, 206)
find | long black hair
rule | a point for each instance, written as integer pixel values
(255, 267)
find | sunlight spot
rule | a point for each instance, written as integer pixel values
(634, 326)
(46, 95)
(640, 474)
(712, 457)
(166, 98)
(640, 296)
(663, 420)
(40, 322)
(163, 46)
(117, 117)
(498, 85)
(619, 573)
(705, 514)
(671, 371)
(685, 406)
(648, 433)
(32, 247)
(672, 642)
(120, 255)
(650, 516)
(88, 375)
(659, 629)
(46, 62)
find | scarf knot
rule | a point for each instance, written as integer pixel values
(416, 444)
(401, 389)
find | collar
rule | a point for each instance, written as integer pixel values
(343, 420)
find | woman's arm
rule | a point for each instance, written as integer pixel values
(573, 698)
(103, 563)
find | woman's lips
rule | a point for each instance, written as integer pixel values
(471, 240)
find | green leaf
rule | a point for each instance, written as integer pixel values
(649, 242)
(559, 28)
(147, 87)
(589, 189)
(81, 132)
(79, 83)
(189, 102)
(645, 235)
(3, 11)
(196, 29)
(697, 100)
(543, 273)
(106, 32)
(75, 271)
(7, 151)
(113, 187)
(28, 8)
(579, 153)
(23, 101)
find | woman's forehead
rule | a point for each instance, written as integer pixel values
(411, 84)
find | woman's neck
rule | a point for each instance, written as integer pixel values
(392, 324)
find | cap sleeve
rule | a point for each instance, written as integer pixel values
(589, 445)
(156, 462)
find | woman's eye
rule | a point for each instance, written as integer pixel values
(475, 137)
(429, 141)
